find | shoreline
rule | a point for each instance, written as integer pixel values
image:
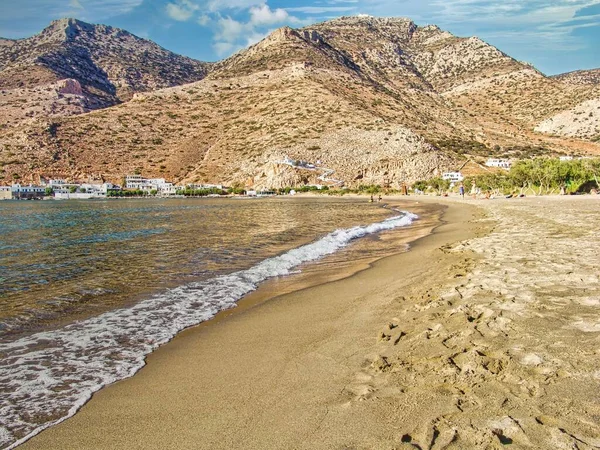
(248, 307)
(97, 363)
(484, 334)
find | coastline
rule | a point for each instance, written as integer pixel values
(484, 334)
(214, 335)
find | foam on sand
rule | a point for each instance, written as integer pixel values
(48, 376)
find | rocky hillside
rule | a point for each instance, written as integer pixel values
(108, 64)
(581, 121)
(367, 101)
(581, 77)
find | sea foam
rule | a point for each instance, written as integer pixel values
(46, 377)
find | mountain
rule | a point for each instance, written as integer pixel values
(372, 100)
(579, 77)
(581, 120)
(103, 65)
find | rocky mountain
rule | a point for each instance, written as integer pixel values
(582, 119)
(580, 77)
(103, 65)
(366, 100)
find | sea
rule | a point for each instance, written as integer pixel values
(89, 288)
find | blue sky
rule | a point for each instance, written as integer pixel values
(555, 35)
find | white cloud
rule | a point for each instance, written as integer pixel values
(181, 11)
(224, 5)
(256, 37)
(75, 4)
(230, 30)
(263, 15)
(232, 34)
(225, 48)
(321, 9)
(204, 20)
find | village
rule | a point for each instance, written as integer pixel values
(139, 186)
(134, 186)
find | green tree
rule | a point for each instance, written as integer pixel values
(439, 185)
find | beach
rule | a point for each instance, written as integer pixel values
(484, 334)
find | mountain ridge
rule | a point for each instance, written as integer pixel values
(380, 101)
(110, 64)
(589, 76)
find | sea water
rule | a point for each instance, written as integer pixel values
(89, 288)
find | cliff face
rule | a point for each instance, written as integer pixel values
(109, 64)
(368, 101)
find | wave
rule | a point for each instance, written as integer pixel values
(52, 374)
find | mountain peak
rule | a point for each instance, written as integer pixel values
(65, 29)
(67, 22)
(110, 64)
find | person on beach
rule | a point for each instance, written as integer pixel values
(379, 199)
(371, 200)
(474, 191)
(461, 191)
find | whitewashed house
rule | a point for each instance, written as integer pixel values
(160, 185)
(27, 192)
(134, 181)
(84, 191)
(453, 177)
(500, 163)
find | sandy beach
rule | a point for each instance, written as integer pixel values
(486, 333)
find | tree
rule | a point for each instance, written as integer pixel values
(592, 167)
(439, 185)
(420, 185)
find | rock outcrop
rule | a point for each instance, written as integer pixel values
(582, 121)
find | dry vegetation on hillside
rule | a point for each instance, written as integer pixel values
(376, 100)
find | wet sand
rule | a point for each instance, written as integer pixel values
(485, 334)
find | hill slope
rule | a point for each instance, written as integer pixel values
(581, 77)
(106, 65)
(376, 101)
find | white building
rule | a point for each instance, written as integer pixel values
(160, 185)
(84, 191)
(500, 163)
(453, 177)
(195, 187)
(27, 192)
(57, 183)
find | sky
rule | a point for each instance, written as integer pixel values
(556, 36)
